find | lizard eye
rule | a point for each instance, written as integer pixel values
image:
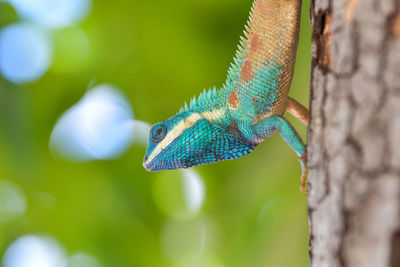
(158, 133)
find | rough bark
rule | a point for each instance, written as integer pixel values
(354, 134)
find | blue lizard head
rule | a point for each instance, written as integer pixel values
(189, 139)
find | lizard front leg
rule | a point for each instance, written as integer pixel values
(267, 126)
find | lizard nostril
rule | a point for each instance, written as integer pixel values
(145, 158)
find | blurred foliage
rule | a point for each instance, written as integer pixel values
(160, 53)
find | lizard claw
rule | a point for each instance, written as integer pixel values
(304, 168)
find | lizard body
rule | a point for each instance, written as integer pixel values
(230, 122)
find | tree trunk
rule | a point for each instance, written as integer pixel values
(354, 134)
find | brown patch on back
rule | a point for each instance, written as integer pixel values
(247, 71)
(255, 43)
(233, 100)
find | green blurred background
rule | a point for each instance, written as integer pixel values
(159, 54)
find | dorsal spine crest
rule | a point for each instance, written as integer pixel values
(207, 99)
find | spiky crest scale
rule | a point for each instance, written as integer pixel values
(206, 100)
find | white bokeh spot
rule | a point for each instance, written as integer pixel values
(25, 52)
(193, 190)
(99, 126)
(34, 251)
(53, 13)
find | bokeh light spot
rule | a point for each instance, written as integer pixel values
(99, 126)
(12, 201)
(53, 13)
(193, 189)
(34, 251)
(179, 194)
(25, 53)
(83, 260)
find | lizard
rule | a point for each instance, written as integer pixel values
(230, 122)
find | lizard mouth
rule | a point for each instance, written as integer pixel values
(161, 165)
(153, 165)
(147, 165)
